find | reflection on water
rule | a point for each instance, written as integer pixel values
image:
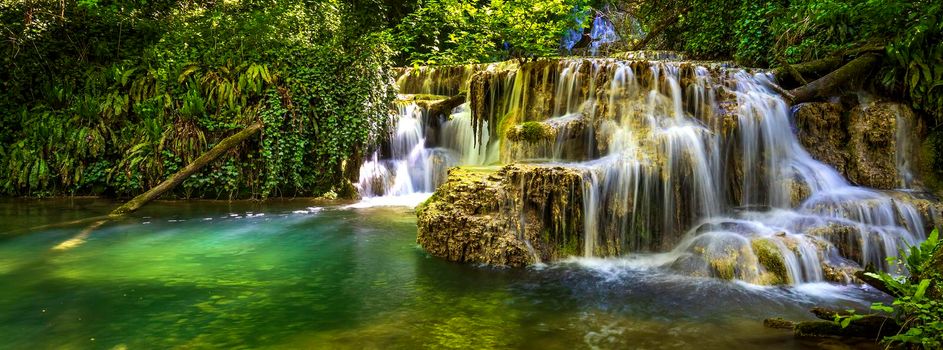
(302, 275)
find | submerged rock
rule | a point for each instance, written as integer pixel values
(778, 322)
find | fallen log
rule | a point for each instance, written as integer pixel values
(796, 74)
(445, 107)
(869, 322)
(175, 179)
(826, 85)
(137, 202)
(80, 238)
(816, 68)
(831, 329)
(868, 326)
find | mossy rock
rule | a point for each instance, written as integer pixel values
(724, 267)
(531, 132)
(476, 215)
(771, 258)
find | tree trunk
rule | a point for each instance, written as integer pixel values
(813, 69)
(791, 70)
(825, 86)
(208, 157)
(445, 107)
(660, 27)
(585, 38)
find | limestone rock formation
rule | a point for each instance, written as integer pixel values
(695, 162)
(861, 142)
(821, 132)
(517, 215)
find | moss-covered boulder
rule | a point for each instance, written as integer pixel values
(771, 259)
(517, 215)
(531, 132)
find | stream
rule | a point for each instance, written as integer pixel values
(289, 274)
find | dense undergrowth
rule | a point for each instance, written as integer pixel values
(111, 96)
(917, 288)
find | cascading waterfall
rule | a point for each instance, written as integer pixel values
(411, 165)
(698, 164)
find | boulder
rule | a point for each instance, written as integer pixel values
(516, 216)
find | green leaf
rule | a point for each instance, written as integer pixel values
(922, 288)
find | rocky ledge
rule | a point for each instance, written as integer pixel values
(515, 215)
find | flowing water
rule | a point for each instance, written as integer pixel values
(690, 177)
(697, 163)
(292, 274)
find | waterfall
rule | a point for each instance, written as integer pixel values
(697, 163)
(409, 167)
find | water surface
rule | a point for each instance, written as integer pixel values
(295, 275)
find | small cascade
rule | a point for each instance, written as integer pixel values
(699, 164)
(602, 34)
(904, 150)
(459, 136)
(410, 167)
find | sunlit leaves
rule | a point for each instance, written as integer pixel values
(451, 31)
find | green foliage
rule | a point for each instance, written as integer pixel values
(916, 58)
(910, 31)
(917, 308)
(453, 31)
(767, 32)
(111, 97)
(707, 27)
(754, 40)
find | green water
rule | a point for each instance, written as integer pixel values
(212, 275)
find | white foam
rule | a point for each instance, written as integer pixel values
(308, 210)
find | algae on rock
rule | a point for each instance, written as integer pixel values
(517, 215)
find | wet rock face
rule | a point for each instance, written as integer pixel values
(516, 216)
(861, 142)
(821, 132)
(873, 146)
